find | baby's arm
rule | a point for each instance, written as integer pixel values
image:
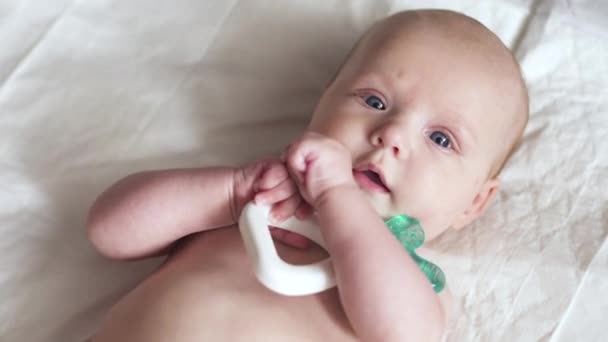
(145, 213)
(384, 294)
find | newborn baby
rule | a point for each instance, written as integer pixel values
(419, 120)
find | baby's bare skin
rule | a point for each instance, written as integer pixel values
(206, 291)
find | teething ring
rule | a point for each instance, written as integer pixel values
(274, 273)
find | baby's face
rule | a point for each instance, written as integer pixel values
(424, 120)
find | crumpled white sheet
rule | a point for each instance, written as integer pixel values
(93, 90)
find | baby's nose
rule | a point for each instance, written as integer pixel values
(389, 137)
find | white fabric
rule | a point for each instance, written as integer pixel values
(92, 90)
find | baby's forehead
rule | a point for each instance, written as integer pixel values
(463, 57)
(458, 77)
(435, 31)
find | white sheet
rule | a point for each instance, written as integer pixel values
(93, 90)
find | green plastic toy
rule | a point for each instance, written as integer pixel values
(410, 234)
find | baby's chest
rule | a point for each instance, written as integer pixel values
(223, 248)
(209, 279)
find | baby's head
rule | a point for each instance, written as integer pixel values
(431, 104)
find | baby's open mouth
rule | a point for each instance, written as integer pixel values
(370, 180)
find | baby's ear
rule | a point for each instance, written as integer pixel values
(480, 203)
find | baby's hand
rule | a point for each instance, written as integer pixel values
(268, 182)
(318, 164)
(275, 187)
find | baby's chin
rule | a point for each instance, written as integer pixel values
(379, 203)
(384, 209)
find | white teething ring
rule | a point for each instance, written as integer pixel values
(269, 268)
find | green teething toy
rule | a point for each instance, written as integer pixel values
(411, 236)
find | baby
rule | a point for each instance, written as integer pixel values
(419, 120)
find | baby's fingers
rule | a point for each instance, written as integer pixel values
(279, 193)
(275, 174)
(285, 209)
(296, 156)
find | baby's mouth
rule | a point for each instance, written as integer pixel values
(370, 180)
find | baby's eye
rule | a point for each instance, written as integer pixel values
(374, 102)
(441, 139)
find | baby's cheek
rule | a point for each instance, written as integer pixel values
(434, 207)
(434, 214)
